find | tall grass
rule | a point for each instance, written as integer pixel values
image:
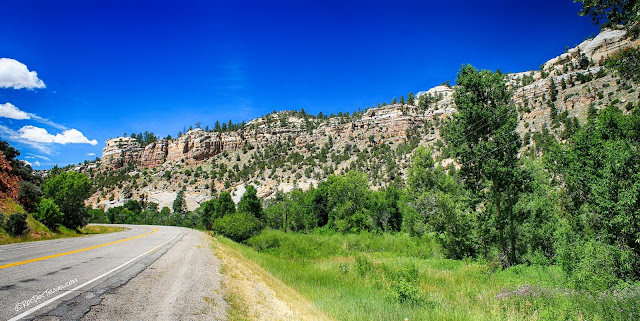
(395, 276)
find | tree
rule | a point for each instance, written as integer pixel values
(17, 224)
(613, 11)
(134, 206)
(553, 90)
(627, 64)
(29, 195)
(401, 100)
(439, 203)
(411, 99)
(48, 213)
(600, 168)
(487, 145)
(224, 205)
(347, 202)
(207, 212)
(250, 203)
(179, 204)
(69, 190)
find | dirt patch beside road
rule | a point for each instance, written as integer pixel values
(254, 294)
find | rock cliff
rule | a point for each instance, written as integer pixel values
(286, 150)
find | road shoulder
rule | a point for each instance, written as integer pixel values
(183, 284)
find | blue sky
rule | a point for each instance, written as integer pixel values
(105, 68)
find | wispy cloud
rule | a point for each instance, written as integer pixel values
(91, 154)
(16, 75)
(8, 110)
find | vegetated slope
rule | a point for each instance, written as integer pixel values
(292, 149)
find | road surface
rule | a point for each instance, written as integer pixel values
(144, 272)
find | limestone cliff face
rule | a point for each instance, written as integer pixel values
(196, 145)
(389, 122)
(120, 151)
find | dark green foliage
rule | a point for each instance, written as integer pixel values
(145, 139)
(601, 170)
(553, 90)
(487, 145)
(16, 224)
(237, 226)
(613, 11)
(224, 205)
(133, 206)
(438, 202)
(411, 99)
(179, 204)
(627, 64)
(347, 203)
(69, 190)
(292, 212)
(384, 210)
(98, 216)
(207, 212)
(29, 195)
(48, 213)
(249, 203)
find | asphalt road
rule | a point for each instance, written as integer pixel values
(64, 278)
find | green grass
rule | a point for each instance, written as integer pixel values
(393, 277)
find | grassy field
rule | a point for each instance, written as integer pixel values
(393, 277)
(38, 232)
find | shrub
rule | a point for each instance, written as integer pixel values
(48, 213)
(238, 226)
(17, 224)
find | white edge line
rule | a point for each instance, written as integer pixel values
(43, 304)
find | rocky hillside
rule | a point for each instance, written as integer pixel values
(292, 149)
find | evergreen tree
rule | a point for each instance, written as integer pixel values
(179, 204)
(411, 99)
(250, 203)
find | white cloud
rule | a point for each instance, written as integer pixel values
(16, 75)
(8, 110)
(37, 163)
(41, 135)
(8, 133)
(91, 154)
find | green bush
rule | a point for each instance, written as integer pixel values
(17, 224)
(237, 226)
(596, 266)
(48, 213)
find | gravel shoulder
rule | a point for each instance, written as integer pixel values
(183, 284)
(254, 294)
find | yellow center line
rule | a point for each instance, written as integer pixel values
(74, 251)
